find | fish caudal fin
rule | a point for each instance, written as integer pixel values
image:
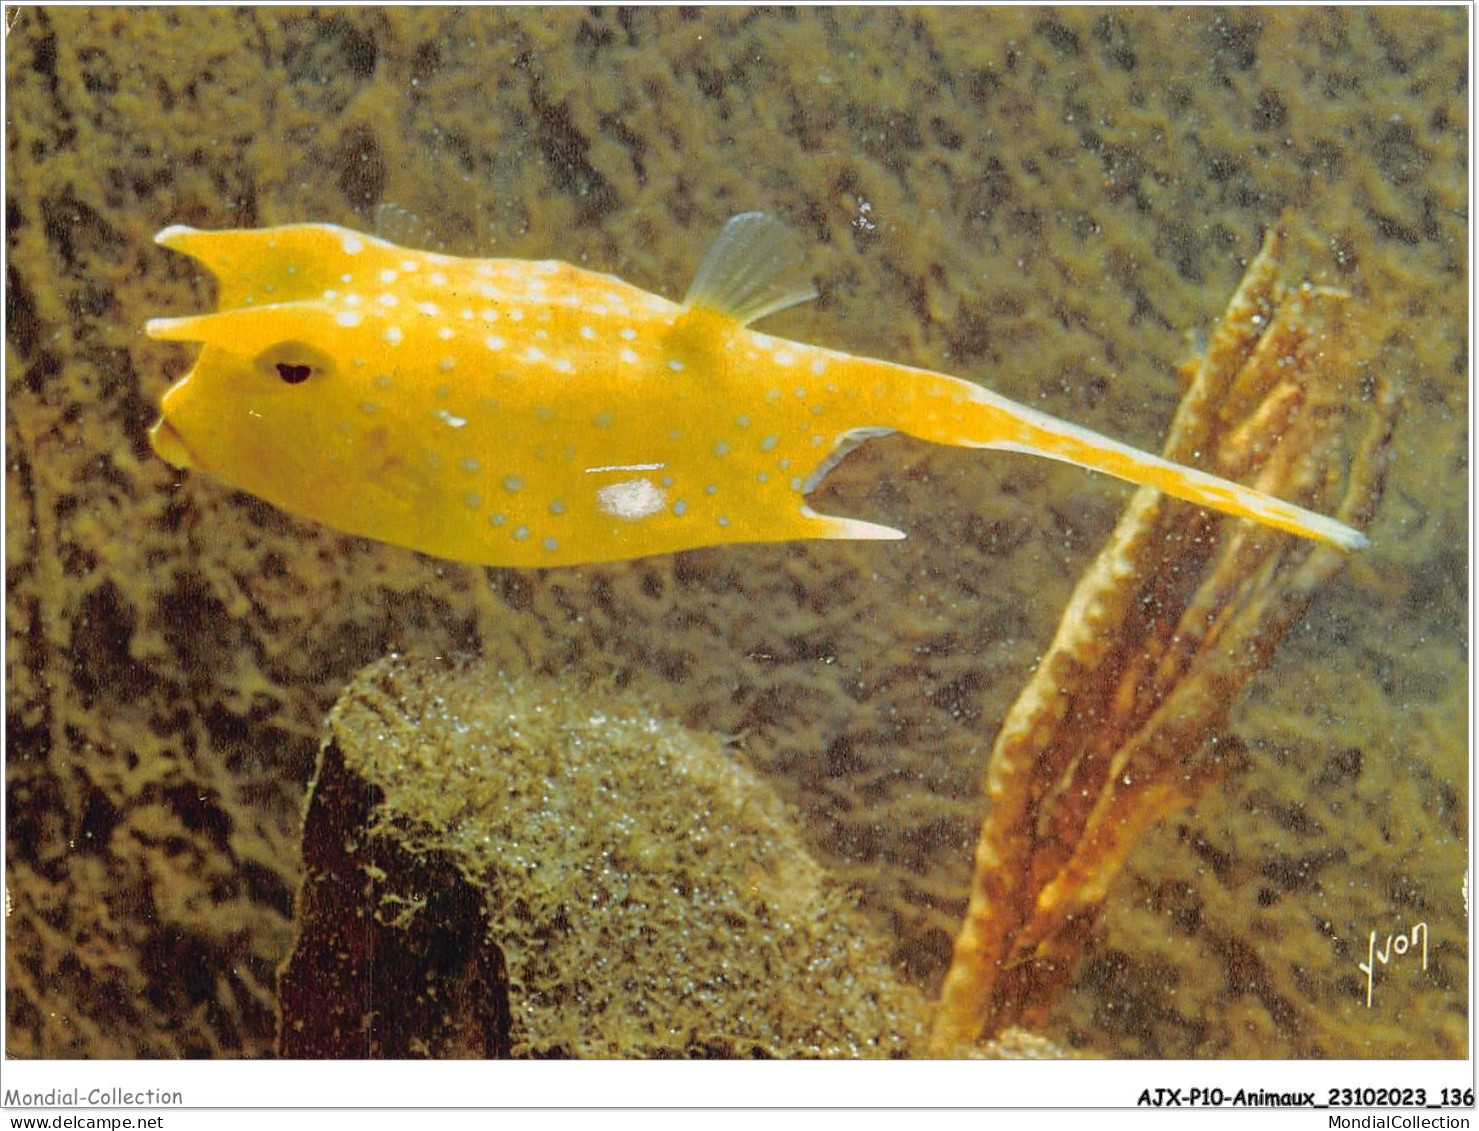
(991, 421)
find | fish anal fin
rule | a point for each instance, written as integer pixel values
(749, 270)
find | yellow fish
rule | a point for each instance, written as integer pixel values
(529, 413)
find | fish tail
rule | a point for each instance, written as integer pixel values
(986, 420)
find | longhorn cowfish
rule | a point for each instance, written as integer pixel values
(530, 413)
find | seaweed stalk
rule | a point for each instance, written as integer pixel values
(1119, 725)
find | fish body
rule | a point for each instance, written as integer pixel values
(533, 413)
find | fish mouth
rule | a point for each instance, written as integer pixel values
(169, 445)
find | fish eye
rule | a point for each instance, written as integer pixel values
(292, 363)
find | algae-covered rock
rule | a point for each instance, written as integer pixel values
(498, 867)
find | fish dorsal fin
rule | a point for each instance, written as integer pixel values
(748, 271)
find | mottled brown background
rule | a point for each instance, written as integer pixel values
(1047, 201)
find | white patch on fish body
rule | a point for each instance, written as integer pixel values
(631, 498)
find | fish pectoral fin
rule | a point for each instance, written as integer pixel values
(749, 270)
(852, 529)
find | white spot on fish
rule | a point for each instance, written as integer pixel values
(470, 464)
(534, 353)
(784, 357)
(352, 244)
(632, 498)
(473, 500)
(347, 318)
(512, 483)
(451, 420)
(494, 342)
(521, 533)
(445, 333)
(387, 276)
(488, 315)
(386, 300)
(627, 356)
(563, 366)
(383, 381)
(428, 308)
(438, 279)
(627, 333)
(393, 335)
(516, 315)
(769, 443)
(587, 333)
(680, 508)
(550, 544)
(675, 366)
(557, 507)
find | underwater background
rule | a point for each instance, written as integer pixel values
(1052, 202)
